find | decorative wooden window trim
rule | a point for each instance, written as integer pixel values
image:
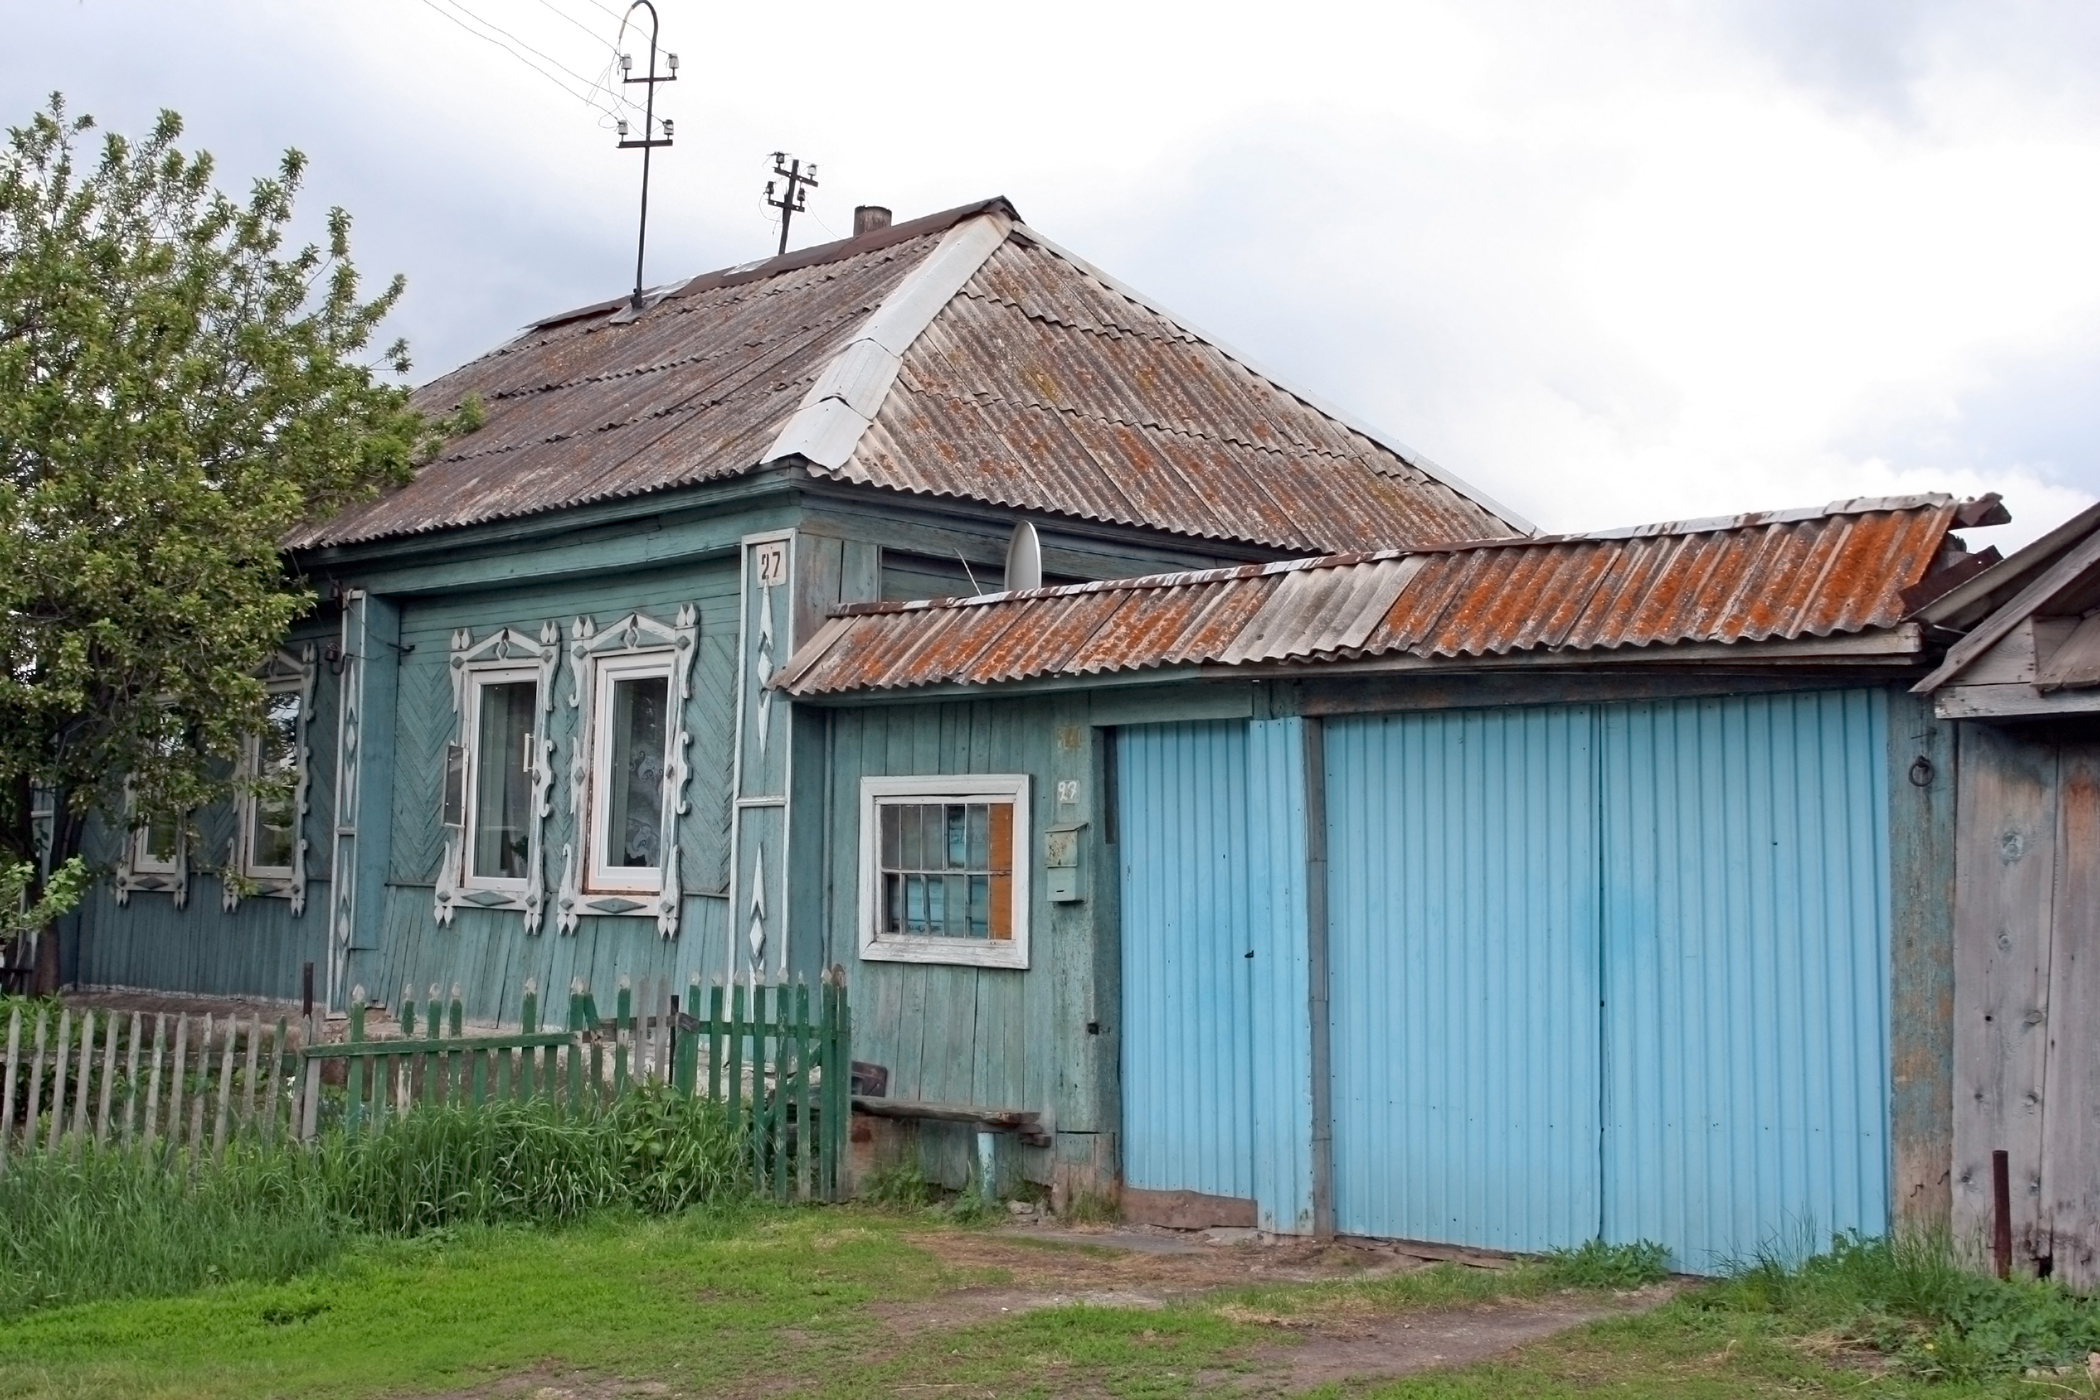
(505, 655)
(139, 870)
(637, 645)
(878, 944)
(286, 673)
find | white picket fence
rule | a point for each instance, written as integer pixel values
(190, 1083)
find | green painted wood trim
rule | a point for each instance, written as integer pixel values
(447, 1045)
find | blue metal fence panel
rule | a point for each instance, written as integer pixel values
(1746, 955)
(1187, 1018)
(1464, 980)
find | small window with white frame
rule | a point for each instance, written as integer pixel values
(492, 773)
(944, 869)
(156, 846)
(269, 814)
(630, 755)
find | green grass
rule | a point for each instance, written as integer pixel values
(127, 1223)
(746, 1300)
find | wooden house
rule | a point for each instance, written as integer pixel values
(530, 723)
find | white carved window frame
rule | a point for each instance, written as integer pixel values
(506, 654)
(139, 870)
(635, 645)
(286, 673)
(1007, 788)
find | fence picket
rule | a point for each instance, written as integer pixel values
(131, 1079)
(36, 1082)
(85, 1076)
(194, 1140)
(151, 1127)
(59, 1055)
(220, 1115)
(805, 1138)
(109, 1079)
(7, 1085)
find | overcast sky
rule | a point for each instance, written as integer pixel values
(1610, 262)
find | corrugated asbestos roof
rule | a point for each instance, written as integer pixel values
(957, 355)
(1743, 579)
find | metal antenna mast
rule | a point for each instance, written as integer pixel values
(792, 199)
(649, 140)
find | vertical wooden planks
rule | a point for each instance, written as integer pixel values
(220, 1110)
(195, 1141)
(86, 1076)
(714, 1042)
(247, 1119)
(7, 1083)
(2070, 1187)
(131, 1078)
(109, 1078)
(178, 1080)
(36, 1082)
(805, 1177)
(58, 1088)
(2005, 855)
(276, 1095)
(354, 1071)
(151, 1127)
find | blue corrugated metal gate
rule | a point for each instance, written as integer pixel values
(1463, 918)
(1615, 970)
(1188, 1017)
(1746, 965)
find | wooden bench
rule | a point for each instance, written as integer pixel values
(1024, 1123)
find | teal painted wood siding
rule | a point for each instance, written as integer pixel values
(993, 1037)
(258, 949)
(487, 953)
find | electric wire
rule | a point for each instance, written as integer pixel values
(594, 92)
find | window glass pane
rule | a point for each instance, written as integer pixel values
(946, 869)
(502, 782)
(634, 829)
(277, 763)
(160, 837)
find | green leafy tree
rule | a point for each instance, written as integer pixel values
(179, 387)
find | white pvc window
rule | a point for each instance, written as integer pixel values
(630, 753)
(493, 777)
(269, 815)
(944, 869)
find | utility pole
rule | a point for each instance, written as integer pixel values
(649, 140)
(792, 200)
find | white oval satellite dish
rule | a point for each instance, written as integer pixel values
(1024, 559)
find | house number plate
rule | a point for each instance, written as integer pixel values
(771, 562)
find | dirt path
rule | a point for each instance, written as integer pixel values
(1126, 1269)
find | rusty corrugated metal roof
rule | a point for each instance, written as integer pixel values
(1007, 372)
(1774, 575)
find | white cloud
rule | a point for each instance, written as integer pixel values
(1613, 262)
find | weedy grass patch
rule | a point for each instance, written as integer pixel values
(137, 1222)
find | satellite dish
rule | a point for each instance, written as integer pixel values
(1024, 559)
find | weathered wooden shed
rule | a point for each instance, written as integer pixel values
(1508, 894)
(529, 721)
(2020, 689)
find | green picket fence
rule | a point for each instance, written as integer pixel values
(765, 1052)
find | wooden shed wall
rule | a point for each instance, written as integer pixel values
(985, 1036)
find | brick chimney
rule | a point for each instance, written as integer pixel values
(869, 217)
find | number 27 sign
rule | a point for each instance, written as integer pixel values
(769, 563)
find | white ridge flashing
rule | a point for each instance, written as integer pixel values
(826, 429)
